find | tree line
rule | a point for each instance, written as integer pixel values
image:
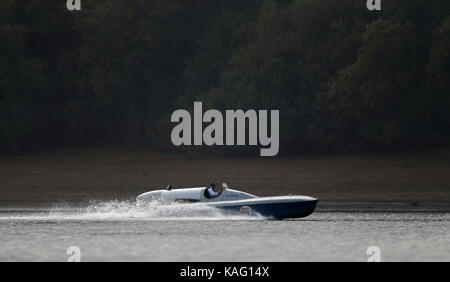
(345, 79)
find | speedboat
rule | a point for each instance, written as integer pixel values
(236, 202)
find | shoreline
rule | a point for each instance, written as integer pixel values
(341, 183)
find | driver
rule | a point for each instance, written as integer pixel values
(211, 192)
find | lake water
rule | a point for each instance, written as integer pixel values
(121, 231)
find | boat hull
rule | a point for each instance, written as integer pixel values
(271, 209)
(237, 202)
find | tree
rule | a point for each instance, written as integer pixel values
(368, 104)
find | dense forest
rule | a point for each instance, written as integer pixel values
(345, 79)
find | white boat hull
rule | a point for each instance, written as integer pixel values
(237, 202)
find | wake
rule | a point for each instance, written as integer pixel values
(130, 210)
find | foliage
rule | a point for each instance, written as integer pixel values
(343, 78)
